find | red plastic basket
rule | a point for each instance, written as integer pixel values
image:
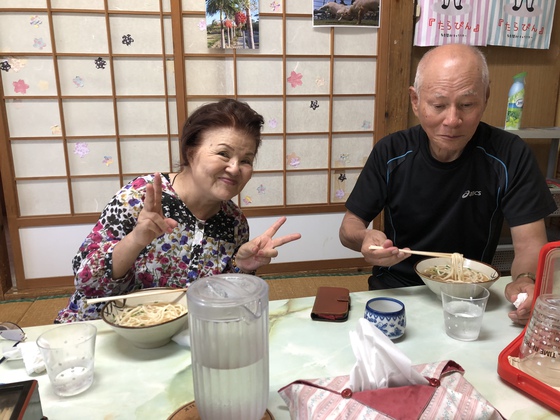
(549, 264)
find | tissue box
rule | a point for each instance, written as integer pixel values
(446, 395)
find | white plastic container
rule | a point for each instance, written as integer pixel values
(228, 323)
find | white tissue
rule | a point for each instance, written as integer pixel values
(379, 362)
(11, 352)
(32, 357)
(182, 338)
(521, 297)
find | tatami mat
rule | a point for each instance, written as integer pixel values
(287, 288)
(13, 311)
(28, 313)
(43, 310)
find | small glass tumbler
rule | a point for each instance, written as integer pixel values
(68, 351)
(539, 353)
(463, 309)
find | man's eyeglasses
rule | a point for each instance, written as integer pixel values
(11, 331)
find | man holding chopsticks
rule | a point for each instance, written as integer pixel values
(448, 184)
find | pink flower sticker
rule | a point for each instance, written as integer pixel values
(295, 79)
(81, 149)
(39, 43)
(20, 86)
(293, 160)
(275, 6)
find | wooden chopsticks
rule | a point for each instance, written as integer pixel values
(131, 295)
(426, 253)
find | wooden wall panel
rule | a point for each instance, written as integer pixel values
(542, 81)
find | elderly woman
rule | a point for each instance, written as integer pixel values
(171, 229)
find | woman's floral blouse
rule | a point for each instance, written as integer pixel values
(194, 249)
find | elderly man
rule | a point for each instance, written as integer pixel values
(448, 184)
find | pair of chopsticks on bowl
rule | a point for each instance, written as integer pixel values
(425, 253)
(131, 295)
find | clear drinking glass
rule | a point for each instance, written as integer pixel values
(539, 353)
(68, 351)
(463, 309)
(228, 323)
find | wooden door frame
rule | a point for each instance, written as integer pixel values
(394, 74)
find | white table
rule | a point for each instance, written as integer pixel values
(133, 383)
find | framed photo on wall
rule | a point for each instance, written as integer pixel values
(228, 27)
(352, 13)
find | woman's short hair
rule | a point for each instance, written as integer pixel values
(227, 113)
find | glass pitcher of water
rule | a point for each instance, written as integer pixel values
(228, 323)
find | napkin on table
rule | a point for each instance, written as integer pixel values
(31, 355)
(182, 338)
(379, 362)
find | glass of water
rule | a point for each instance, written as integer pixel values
(68, 351)
(463, 309)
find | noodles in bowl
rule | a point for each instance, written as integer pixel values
(435, 272)
(145, 315)
(455, 272)
(148, 321)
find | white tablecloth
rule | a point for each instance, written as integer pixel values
(133, 383)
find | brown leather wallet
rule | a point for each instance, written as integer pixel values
(331, 304)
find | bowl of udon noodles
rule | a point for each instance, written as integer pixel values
(148, 319)
(436, 272)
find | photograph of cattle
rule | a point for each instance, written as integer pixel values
(232, 24)
(363, 13)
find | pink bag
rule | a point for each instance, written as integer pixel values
(448, 396)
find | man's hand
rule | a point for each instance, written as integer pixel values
(386, 257)
(521, 285)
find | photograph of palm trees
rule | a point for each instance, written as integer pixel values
(346, 13)
(232, 23)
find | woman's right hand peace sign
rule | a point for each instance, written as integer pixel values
(151, 222)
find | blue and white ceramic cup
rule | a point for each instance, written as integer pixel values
(388, 315)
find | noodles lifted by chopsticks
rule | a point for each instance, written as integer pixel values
(456, 272)
(149, 314)
(456, 266)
